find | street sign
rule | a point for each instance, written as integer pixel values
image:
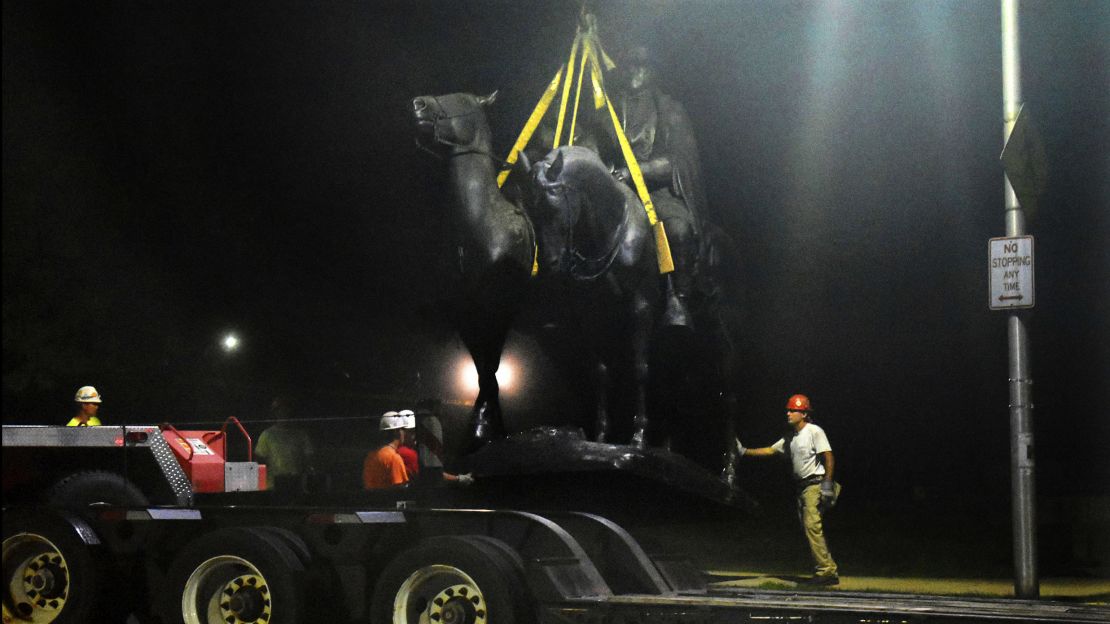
(1023, 160)
(1011, 270)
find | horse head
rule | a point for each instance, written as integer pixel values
(580, 213)
(452, 124)
(554, 211)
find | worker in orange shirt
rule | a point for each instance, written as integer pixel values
(383, 467)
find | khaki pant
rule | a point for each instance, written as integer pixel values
(810, 516)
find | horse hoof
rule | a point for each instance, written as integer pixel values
(676, 314)
(476, 444)
(488, 433)
(728, 477)
(638, 440)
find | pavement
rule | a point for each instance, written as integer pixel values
(1086, 590)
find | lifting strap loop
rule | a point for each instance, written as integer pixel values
(662, 246)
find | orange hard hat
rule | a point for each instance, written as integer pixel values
(798, 403)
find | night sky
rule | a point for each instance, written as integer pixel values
(172, 172)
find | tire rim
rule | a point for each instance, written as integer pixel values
(228, 590)
(36, 578)
(439, 594)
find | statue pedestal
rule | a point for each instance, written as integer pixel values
(551, 468)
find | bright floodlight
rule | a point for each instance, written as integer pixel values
(468, 376)
(506, 376)
(230, 342)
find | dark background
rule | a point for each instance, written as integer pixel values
(173, 172)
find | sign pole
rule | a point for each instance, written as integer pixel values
(1026, 583)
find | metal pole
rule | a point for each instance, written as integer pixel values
(1024, 521)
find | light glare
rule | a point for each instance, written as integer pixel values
(230, 342)
(468, 376)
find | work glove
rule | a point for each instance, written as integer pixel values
(828, 495)
(466, 479)
(740, 450)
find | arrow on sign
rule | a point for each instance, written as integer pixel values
(1004, 298)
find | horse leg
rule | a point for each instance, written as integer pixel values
(732, 457)
(487, 421)
(726, 369)
(678, 284)
(601, 386)
(485, 417)
(641, 337)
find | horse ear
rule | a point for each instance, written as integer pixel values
(487, 100)
(556, 167)
(523, 162)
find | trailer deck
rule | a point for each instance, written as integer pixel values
(736, 604)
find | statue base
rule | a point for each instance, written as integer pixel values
(558, 468)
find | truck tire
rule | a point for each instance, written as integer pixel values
(49, 572)
(291, 540)
(463, 580)
(513, 569)
(241, 575)
(81, 489)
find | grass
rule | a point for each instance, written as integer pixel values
(880, 550)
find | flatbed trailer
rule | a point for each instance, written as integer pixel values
(393, 556)
(835, 607)
(266, 564)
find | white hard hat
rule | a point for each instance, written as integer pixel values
(391, 420)
(87, 394)
(410, 418)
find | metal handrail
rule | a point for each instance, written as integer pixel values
(250, 443)
(167, 425)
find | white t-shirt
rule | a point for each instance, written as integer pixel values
(804, 448)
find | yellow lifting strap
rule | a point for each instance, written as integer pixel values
(591, 49)
(522, 140)
(662, 246)
(566, 88)
(578, 92)
(530, 127)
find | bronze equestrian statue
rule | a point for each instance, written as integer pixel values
(594, 235)
(597, 240)
(495, 243)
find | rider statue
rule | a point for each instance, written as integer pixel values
(662, 139)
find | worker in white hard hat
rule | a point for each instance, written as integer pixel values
(383, 466)
(407, 449)
(429, 445)
(87, 402)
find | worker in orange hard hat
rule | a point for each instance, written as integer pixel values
(87, 402)
(811, 458)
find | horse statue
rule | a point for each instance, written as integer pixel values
(593, 235)
(495, 241)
